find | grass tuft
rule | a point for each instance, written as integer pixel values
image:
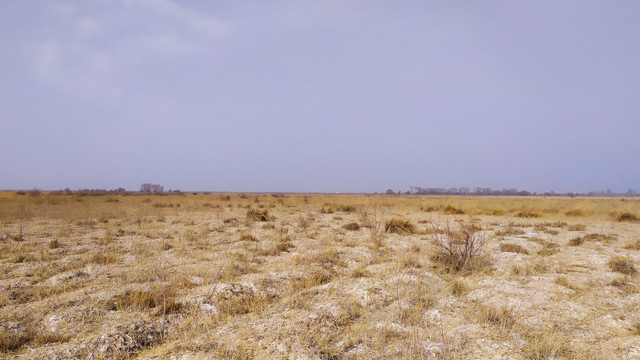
(399, 226)
(514, 248)
(622, 265)
(627, 217)
(352, 226)
(259, 215)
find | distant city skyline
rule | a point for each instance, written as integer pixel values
(325, 96)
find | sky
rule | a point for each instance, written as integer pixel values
(320, 96)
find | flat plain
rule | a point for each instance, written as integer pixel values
(287, 276)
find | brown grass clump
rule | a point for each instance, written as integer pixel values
(577, 227)
(514, 248)
(452, 210)
(576, 241)
(563, 281)
(162, 301)
(346, 208)
(352, 226)
(627, 217)
(327, 210)
(247, 237)
(527, 214)
(14, 340)
(399, 226)
(600, 237)
(545, 345)
(55, 244)
(622, 265)
(509, 230)
(104, 258)
(457, 287)
(634, 245)
(501, 317)
(574, 213)
(624, 285)
(259, 215)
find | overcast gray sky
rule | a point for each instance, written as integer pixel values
(320, 95)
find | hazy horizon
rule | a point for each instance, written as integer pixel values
(320, 96)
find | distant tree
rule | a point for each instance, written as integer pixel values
(390, 192)
(151, 188)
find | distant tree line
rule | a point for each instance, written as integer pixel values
(151, 188)
(145, 188)
(487, 191)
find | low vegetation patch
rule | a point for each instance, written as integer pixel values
(576, 241)
(400, 226)
(634, 245)
(352, 226)
(528, 214)
(514, 248)
(452, 210)
(259, 215)
(622, 265)
(574, 213)
(600, 237)
(627, 217)
(509, 230)
(577, 227)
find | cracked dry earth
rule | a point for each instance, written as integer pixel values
(314, 277)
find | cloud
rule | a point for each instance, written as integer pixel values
(189, 19)
(92, 49)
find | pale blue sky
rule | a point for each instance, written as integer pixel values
(348, 96)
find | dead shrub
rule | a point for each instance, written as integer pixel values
(400, 226)
(461, 249)
(622, 265)
(514, 248)
(352, 226)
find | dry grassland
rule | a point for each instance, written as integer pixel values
(318, 277)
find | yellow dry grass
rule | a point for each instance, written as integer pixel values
(261, 276)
